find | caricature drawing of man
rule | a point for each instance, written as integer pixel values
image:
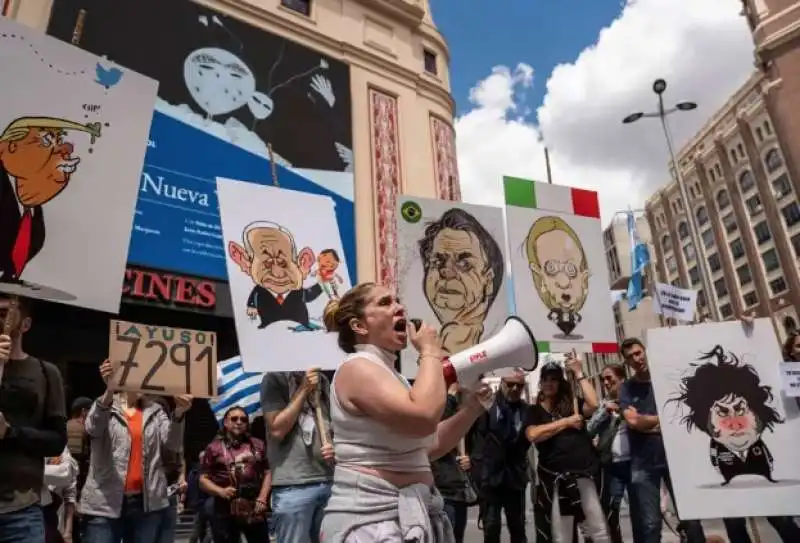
(560, 272)
(271, 259)
(36, 164)
(462, 274)
(327, 263)
(727, 401)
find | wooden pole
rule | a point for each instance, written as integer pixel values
(547, 165)
(323, 432)
(8, 323)
(77, 32)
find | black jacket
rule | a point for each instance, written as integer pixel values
(292, 309)
(10, 217)
(757, 461)
(500, 450)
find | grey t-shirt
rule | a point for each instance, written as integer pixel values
(32, 401)
(291, 460)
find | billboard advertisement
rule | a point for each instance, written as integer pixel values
(227, 91)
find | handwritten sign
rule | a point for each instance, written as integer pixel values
(162, 360)
(674, 302)
(790, 379)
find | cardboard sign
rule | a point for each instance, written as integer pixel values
(162, 360)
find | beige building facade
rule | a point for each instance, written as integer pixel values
(402, 110)
(743, 193)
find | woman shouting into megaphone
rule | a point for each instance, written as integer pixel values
(385, 431)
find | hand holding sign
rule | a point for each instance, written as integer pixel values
(163, 360)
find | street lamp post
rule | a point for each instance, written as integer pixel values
(659, 86)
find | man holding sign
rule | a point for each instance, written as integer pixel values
(126, 493)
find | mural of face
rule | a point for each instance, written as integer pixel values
(219, 81)
(734, 424)
(459, 278)
(273, 263)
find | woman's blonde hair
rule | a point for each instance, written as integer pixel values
(339, 314)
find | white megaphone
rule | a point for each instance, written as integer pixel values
(512, 347)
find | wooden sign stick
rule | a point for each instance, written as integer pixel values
(8, 323)
(323, 432)
(574, 384)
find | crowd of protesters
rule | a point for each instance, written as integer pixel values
(115, 470)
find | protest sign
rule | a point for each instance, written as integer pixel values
(675, 302)
(790, 379)
(163, 360)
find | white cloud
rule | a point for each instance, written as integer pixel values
(701, 47)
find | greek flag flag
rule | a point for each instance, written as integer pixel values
(236, 387)
(640, 258)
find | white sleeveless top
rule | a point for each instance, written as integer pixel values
(365, 442)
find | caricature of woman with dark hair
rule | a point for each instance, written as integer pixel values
(727, 401)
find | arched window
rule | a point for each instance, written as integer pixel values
(789, 324)
(702, 215)
(722, 200)
(683, 230)
(665, 243)
(773, 160)
(746, 181)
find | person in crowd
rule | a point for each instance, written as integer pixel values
(386, 432)
(301, 464)
(568, 463)
(70, 529)
(791, 351)
(60, 474)
(451, 474)
(649, 470)
(78, 444)
(235, 472)
(608, 428)
(201, 503)
(125, 496)
(175, 471)
(33, 426)
(500, 455)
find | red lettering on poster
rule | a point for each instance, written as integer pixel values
(169, 289)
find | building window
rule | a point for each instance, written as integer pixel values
(789, 324)
(796, 245)
(720, 287)
(746, 181)
(771, 262)
(676, 282)
(734, 158)
(683, 230)
(708, 238)
(692, 193)
(773, 160)
(767, 128)
(718, 169)
(665, 243)
(759, 134)
(672, 264)
(701, 298)
(750, 299)
(762, 232)
(791, 214)
(726, 311)
(737, 248)
(300, 6)
(688, 251)
(712, 175)
(777, 286)
(702, 216)
(740, 149)
(754, 205)
(729, 221)
(694, 275)
(781, 186)
(714, 263)
(722, 200)
(431, 65)
(743, 272)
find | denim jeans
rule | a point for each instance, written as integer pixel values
(457, 514)
(616, 481)
(169, 521)
(786, 527)
(297, 511)
(25, 525)
(645, 502)
(132, 526)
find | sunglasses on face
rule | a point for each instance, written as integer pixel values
(243, 420)
(514, 386)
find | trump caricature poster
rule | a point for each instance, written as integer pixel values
(285, 263)
(451, 271)
(730, 434)
(73, 134)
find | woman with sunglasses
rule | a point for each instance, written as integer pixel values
(235, 472)
(386, 431)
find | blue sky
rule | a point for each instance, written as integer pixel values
(541, 33)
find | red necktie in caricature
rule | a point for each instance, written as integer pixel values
(22, 245)
(279, 299)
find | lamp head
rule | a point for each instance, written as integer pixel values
(659, 86)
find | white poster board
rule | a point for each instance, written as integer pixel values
(73, 134)
(451, 271)
(558, 266)
(675, 302)
(720, 379)
(285, 263)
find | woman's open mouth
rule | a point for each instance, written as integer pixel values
(401, 325)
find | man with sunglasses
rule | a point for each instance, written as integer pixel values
(33, 426)
(500, 460)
